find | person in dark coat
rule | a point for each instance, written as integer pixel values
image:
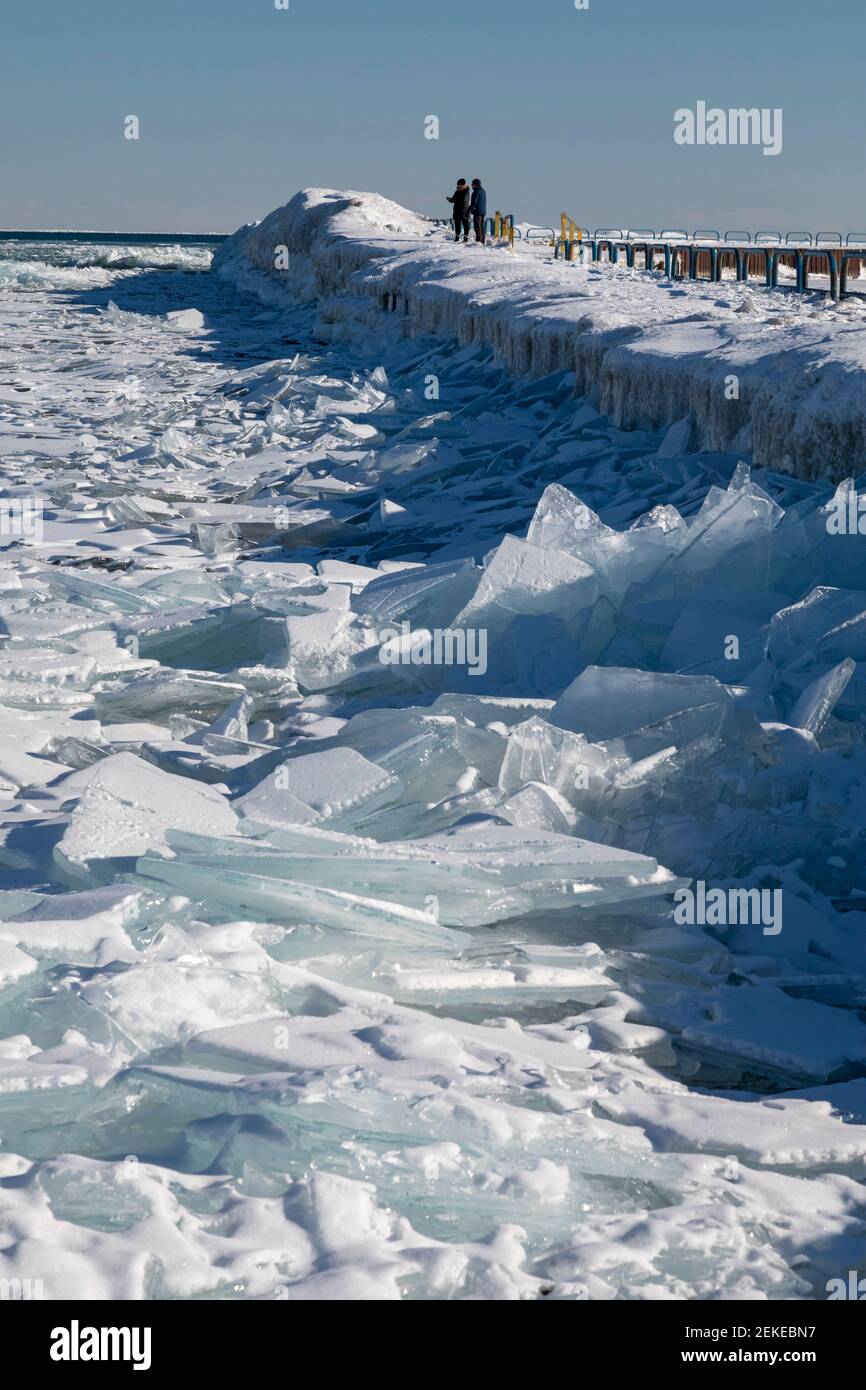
(478, 210)
(460, 200)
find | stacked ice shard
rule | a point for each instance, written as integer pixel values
(356, 758)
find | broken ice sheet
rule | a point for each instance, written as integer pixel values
(520, 578)
(818, 700)
(381, 972)
(605, 703)
(124, 807)
(792, 1134)
(334, 785)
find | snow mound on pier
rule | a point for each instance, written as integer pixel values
(310, 246)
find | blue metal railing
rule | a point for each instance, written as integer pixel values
(687, 255)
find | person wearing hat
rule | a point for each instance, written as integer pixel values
(460, 200)
(478, 210)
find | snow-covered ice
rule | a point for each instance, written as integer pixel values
(360, 743)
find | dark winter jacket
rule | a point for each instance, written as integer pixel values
(460, 199)
(478, 204)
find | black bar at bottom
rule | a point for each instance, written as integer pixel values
(71, 1339)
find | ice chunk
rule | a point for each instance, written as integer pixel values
(392, 514)
(321, 647)
(18, 1077)
(818, 700)
(562, 521)
(731, 536)
(554, 869)
(540, 752)
(520, 578)
(487, 710)
(159, 694)
(429, 596)
(676, 440)
(126, 808)
(320, 786)
(269, 804)
(538, 807)
(188, 320)
(778, 1133)
(206, 638)
(281, 900)
(161, 1003)
(221, 539)
(432, 764)
(606, 702)
(700, 640)
(620, 558)
(828, 625)
(760, 1031)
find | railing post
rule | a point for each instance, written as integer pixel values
(846, 260)
(800, 261)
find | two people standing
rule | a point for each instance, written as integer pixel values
(470, 205)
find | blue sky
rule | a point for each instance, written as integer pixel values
(242, 104)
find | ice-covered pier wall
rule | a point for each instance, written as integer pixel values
(754, 371)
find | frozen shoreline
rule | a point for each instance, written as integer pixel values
(755, 371)
(326, 976)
